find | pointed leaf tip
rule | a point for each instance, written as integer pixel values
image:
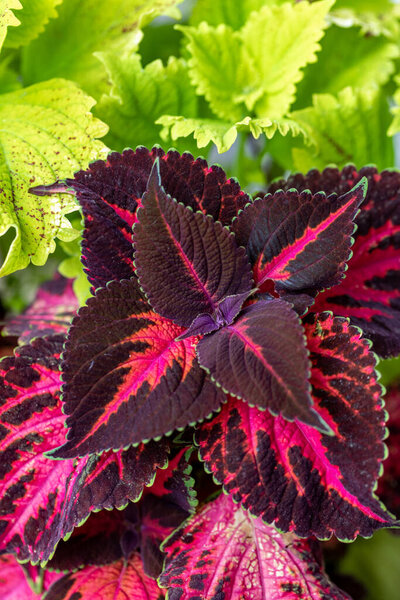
(59, 187)
(154, 180)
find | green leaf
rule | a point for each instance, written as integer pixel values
(349, 127)
(7, 17)
(230, 12)
(66, 47)
(373, 17)
(33, 17)
(281, 40)
(395, 124)
(221, 70)
(347, 58)
(375, 562)
(139, 96)
(222, 133)
(46, 133)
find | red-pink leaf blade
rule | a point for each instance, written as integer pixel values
(223, 553)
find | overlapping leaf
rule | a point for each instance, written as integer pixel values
(262, 358)
(293, 475)
(47, 132)
(43, 500)
(223, 553)
(109, 193)
(299, 241)
(51, 312)
(7, 17)
(127, 378)
(117, 581)
(195, 263)
(33, 17)
(370, 292)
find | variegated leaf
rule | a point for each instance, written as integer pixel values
(223, 553)
(293, 475)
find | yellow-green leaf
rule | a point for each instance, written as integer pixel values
(46, 132)
(33, 18)
(7, 17)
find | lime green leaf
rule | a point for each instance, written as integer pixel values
(66, 47)
(349, 127)
(375, 562)
(230, 12)
(348, 58)
(46, 133)
(372, 16)
(139, 96)
(71, 267)
(9, 77)
(395, 124)
(281, 40)
(221, 70)
(33, 17)
(222, 133)
(7, 17)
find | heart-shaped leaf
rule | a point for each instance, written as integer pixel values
(299, 241)
(50, 313)
(370, 293)
(127, 378)
(223, 553)
(262, 358)
(120, 580)
(186, 262)
(292, 475)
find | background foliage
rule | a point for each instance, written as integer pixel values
(262, 86)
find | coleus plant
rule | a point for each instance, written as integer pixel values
(210, 314)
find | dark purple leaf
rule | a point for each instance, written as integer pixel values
(262, 358)
(389, 484)
(292, 475)
(299, 241)
(127, 377)
(109, 193)
(370, 293)
(186, 262)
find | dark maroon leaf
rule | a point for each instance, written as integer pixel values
(299, 241)
(186, 262)
(292, 475)
(262, 358)
(370, 292)
(127, 378)
(109, 193)
(50, 313)
(222, 553)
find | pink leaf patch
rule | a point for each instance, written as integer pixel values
(389, 483)
(42, 500)
(262, 358)
(50, 313)
(291, 474)
(223, 553)
(118, 581)
(370, 293)
(127, 378)
(14, 580)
